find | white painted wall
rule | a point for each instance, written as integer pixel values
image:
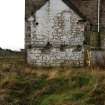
(57, 24)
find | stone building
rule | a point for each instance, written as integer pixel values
(89, 9)
(57, 32)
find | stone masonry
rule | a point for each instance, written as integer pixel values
(54, 36)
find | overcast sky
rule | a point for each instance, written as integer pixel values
(12, 24)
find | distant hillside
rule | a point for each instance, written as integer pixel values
(31, 6)
(8, 52)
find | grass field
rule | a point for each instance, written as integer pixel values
(23, 85)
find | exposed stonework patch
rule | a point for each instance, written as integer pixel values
(55, 57)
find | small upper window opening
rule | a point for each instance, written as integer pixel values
(37, 23)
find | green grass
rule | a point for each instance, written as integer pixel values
(22, 85)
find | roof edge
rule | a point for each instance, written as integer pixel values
(72, 6)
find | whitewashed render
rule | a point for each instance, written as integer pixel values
(55, 37)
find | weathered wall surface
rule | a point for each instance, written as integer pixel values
(102, 15)
(102, 38)
(88, 8)
(27, 34)
(92, 39)
(56, 36)
(55, 57)
(97, 58)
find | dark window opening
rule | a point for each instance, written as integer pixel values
(77, 48)
(37, 23)
(85, 42)
(62, 48)
(29, 46)
(48, 45)
(29, 35)
(28, 28)
(47, 48)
